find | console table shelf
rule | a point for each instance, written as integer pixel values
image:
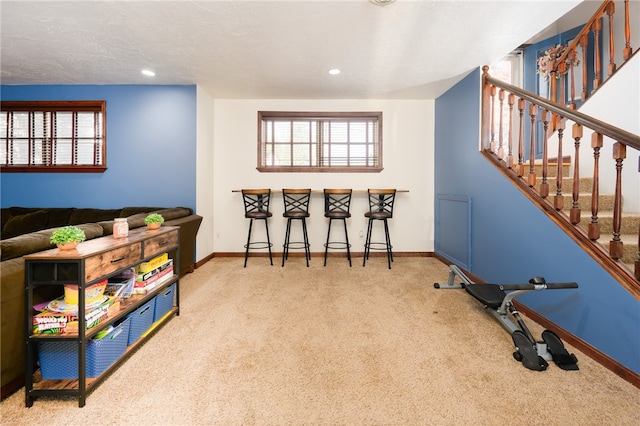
(94, 261)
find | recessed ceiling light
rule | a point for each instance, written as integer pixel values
(334, 71)
(382, 2)
(148, 73)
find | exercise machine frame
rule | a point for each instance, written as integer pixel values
(532, 353)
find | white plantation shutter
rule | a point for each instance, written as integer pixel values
(53, 136)
(312, 141)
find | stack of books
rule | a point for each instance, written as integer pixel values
(153, 273)
(56, 317)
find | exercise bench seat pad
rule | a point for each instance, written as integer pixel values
(488, 294)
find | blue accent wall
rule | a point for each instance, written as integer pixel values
(512, 240)
(151, 150)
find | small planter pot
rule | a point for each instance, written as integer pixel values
(153, 226)
(68, 246)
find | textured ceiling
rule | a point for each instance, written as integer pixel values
(278, 49)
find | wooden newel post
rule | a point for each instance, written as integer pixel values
(616, 245)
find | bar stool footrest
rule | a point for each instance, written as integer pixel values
(296, 245)
(257, 245)
(374, 246)
(337, 245)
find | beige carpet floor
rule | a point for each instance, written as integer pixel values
(335, 346)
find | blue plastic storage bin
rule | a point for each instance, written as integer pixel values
(141, 320)
(164, 302)
(59, 360)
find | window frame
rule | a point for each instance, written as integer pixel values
(94, 106)
(319, 117)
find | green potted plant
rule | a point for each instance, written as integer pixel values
(153, 220)
(67, 237)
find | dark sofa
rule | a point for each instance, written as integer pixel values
(26, 230)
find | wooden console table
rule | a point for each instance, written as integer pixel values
(91, 262)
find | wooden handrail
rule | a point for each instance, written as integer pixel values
(569, 56)
(493, 94)
(601, 127)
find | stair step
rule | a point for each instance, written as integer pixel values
(551, 169)
(630, 222)
(605, 202)
(628, 233)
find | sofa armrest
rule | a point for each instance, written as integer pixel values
(189, 226)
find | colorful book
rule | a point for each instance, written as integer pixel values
(153, 263)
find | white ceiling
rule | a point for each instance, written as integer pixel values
(275, 49)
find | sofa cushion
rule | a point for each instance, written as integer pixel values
(92, 215)
(174, 213)
(59, 216)
(37, 241)
(25, 223)
(134, 221)
(137, 220)
(130, 211)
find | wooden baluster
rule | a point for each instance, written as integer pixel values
(626, 53)
(594, 226)
(574, 213)
(562, 73)
(584, 43)
(486, 110)
(521, 105)
(544, 186)
(573, 55)
(611, 9)
(616, 245)
(558, 201)
(492, 146)
(500, 126)
(510, 100)
(638, 258)
(533, 110)
(553, 82)
(597, 78)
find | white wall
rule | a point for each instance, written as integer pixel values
(408, 145)
(204, 172)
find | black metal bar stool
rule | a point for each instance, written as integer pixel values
(256, 206)
(296, 207)
(336, 207)
(380, 208)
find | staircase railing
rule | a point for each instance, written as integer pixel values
(584, 53)
(498, 145)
